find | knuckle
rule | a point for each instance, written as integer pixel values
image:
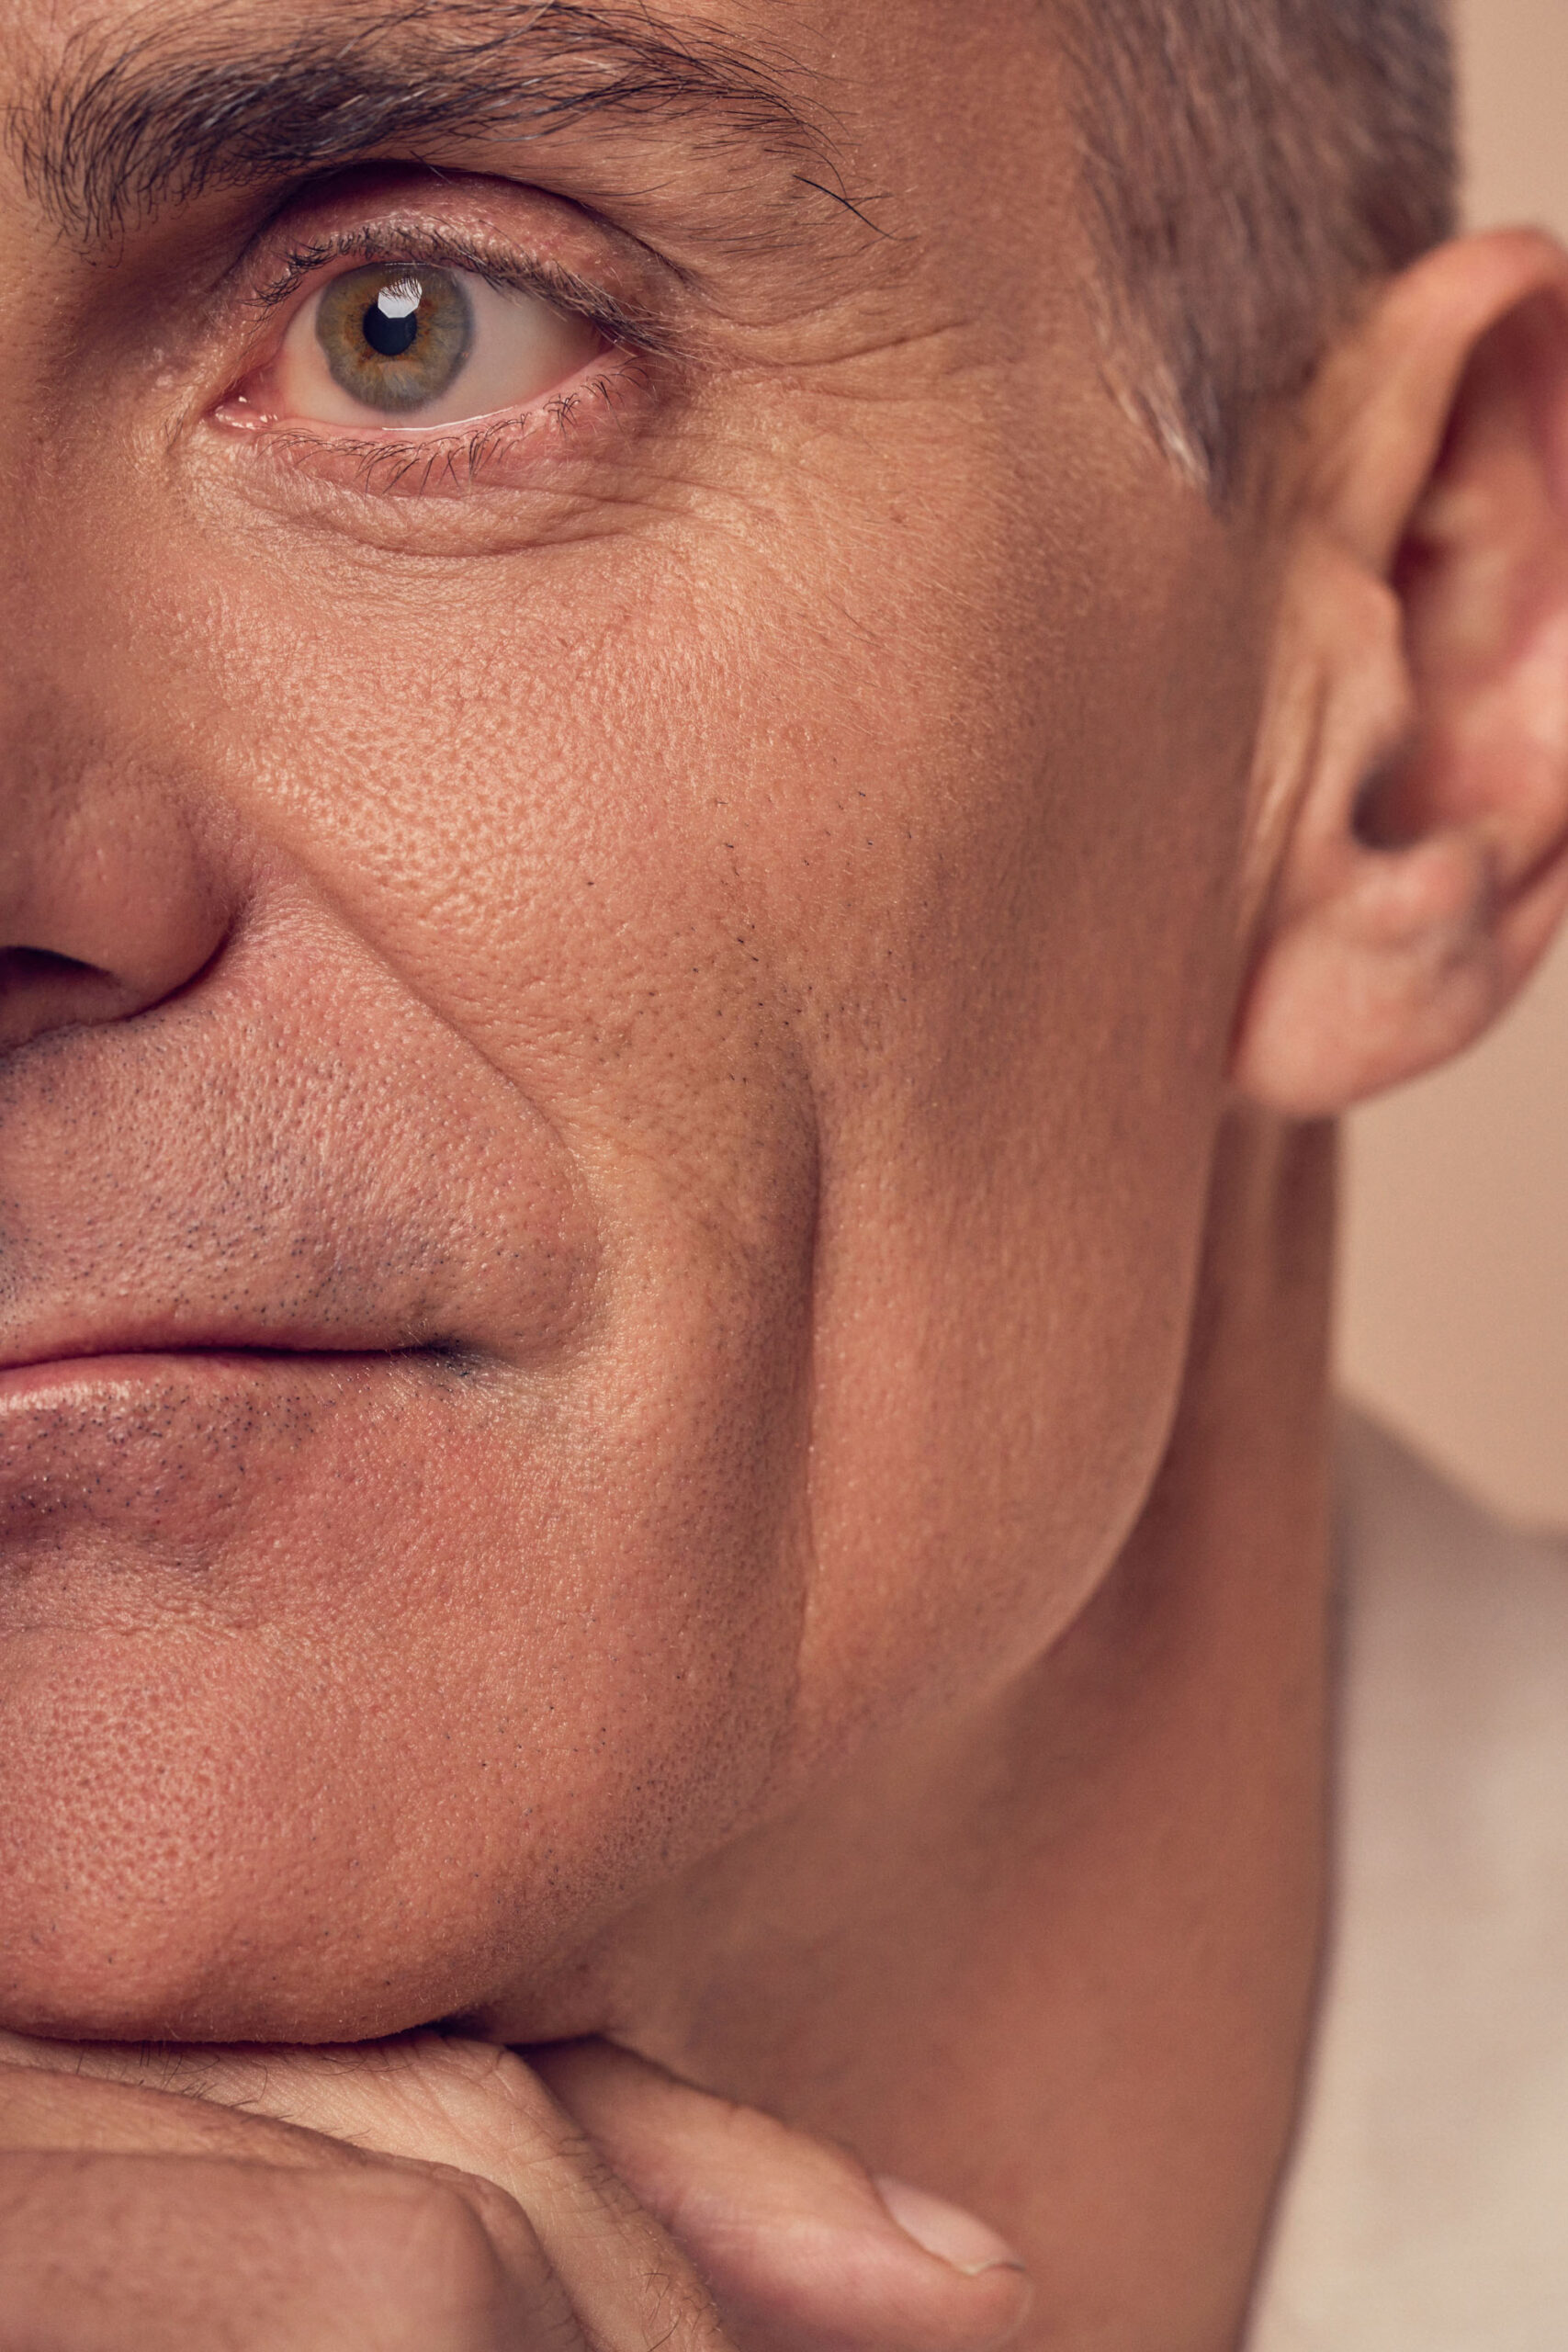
(418, 2230)
(457, 2260)
(461, 2214)
(430, 2230)
(506, 2227)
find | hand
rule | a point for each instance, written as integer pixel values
(439, 2195)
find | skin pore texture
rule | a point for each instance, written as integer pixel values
(666, 1205)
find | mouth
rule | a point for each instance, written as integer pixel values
(123, 1360)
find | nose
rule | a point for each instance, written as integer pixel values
(109, 903)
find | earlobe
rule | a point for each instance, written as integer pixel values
(1423, 863)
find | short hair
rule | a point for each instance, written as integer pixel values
(1252, 168)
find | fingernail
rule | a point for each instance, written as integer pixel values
(946, 2231)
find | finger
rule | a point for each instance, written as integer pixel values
(170, 2253)
(87, 2110)
(476, 2107)
(804, 2252)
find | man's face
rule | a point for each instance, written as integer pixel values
(606, 1208)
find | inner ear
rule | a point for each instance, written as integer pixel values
(1379, 817)
(1482, 576)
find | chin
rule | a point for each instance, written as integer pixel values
(248, 1837)
(89, 1966)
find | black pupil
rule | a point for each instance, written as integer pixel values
(389, 336)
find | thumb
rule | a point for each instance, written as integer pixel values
(802, 2250)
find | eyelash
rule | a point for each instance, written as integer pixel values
(459, 457)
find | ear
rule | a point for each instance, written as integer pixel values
(1411, 799)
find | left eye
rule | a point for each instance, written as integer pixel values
(400, 342)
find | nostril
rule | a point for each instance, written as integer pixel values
(18, 966)
(110, 904)
(40, 989)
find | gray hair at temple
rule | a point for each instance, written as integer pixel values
(1253, 167)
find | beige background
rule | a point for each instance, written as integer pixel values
(1454, 1311)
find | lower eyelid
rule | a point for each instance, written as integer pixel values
(501, 450)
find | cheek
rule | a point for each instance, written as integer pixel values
(1006, 1263)
(870, 971)
(1032, 965)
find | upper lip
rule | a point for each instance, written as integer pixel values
(288, 1160)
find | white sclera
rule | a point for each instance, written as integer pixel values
(522, 350)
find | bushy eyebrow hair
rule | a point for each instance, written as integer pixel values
(135, 122)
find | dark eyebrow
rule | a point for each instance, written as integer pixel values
(132, 123)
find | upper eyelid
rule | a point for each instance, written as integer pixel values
(620, 323)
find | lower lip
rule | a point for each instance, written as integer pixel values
(119, 1471)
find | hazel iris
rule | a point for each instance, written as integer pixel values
(395, 338)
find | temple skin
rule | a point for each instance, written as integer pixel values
(666, 1138)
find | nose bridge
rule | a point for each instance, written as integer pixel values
(112, 894)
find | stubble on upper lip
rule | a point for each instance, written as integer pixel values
(204, 1178)
(225, 1221)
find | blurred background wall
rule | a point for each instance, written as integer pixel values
(1454, 1298)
